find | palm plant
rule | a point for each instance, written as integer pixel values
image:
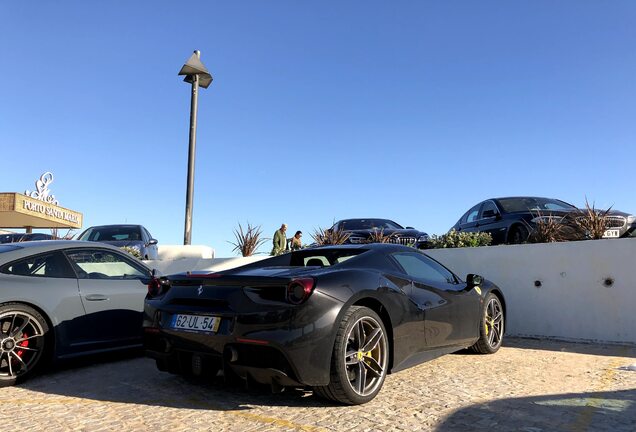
(247, 241)
(592, 223)
(548, 228)
(378, 236)
(329, 236)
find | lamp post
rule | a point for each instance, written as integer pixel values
(196, 74)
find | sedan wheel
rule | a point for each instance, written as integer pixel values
(359, 359)
(492, 326)
(22, 342)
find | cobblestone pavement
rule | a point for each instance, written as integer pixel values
(528, 385)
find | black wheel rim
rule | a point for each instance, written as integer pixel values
(494, 322)
(366, 356)
(21, 343)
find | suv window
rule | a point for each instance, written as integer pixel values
(421, 267)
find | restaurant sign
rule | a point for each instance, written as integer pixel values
(42, 192)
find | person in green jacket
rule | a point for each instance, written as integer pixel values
(280, 241)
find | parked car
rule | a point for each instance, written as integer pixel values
(133, 236)
(21, 237)
(335, 318)
(62, 299)
(509, 220)
(360, 230)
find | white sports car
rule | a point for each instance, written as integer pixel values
(62, 299)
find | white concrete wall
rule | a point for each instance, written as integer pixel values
(175, 252)
(573, 301)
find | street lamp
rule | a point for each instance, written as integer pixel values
(196, 74)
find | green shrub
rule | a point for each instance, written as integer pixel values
(132, 251)
(454, 239)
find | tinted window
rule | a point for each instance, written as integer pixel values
(489, 210)
(362, 224)
(471, 215)
(116, 233)
(533, 204)
(101, 264)
(48, 265)
(422, 267)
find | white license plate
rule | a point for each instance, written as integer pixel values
(200, 323)
(611, 234)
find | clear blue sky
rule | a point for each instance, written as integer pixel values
(412, 111)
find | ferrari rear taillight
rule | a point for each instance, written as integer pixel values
(299, 290)
(157, 287)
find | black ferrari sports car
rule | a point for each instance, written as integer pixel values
(335, 318)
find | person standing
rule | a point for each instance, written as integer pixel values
(280, 241)
(296, 242)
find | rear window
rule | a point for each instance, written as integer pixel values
(322, 258)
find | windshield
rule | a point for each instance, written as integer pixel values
(363, 224)
(125, 233)
(511, 205)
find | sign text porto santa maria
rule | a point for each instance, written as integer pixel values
(50, 211)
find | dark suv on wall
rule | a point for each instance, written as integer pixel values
(360, 230)
(509, 219)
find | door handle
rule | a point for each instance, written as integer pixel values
(96, 297)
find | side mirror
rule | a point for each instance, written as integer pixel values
(491, 213)
(473, 280)
(152, 242)
(410, 228)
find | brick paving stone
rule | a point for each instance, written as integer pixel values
(529, 385)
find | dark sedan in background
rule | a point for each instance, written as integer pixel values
(336, 318)
(360, 230)
(22, 237)
(509, 220)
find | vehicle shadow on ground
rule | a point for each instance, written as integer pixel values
(611, 411)
(569, 346)
(130, 378)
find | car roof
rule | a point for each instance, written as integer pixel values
(114, 226)
(24, 249)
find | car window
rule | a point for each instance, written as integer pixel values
(471, 215)
(47, 265)
(363, 224)
(422, 267)
(489, 209)
(118, 233)
(102, 264)
(320, 261)
(525, 204)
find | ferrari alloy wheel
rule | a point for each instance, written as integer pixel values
(359, 359)
(492, 326)
(22, 342)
